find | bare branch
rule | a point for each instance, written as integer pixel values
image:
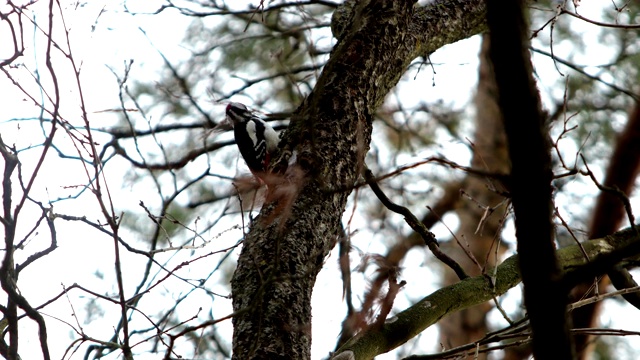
(427, 236)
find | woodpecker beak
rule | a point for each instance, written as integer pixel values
(223, 125)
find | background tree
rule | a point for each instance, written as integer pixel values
(154, 207)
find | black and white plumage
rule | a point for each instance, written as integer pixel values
(256, 139)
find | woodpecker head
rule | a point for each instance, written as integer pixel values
(237, 113)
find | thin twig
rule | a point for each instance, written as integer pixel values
(415, 224)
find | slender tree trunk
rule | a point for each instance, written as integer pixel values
(530, 179)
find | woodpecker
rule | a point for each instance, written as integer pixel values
(256, 140)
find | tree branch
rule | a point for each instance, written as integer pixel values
(476, 290)
(417, 226)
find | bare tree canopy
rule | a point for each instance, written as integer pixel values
(450, 179)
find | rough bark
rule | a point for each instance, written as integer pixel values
(530, 180)
(329, 135)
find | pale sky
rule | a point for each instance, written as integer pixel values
(117, 38)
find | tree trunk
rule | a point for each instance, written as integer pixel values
(530, 180)
(329, 136)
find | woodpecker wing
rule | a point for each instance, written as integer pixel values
(272, 138)
(252, 143)
(256, 140)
